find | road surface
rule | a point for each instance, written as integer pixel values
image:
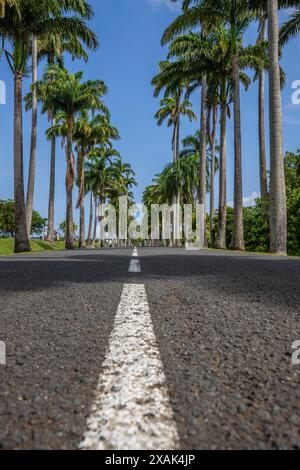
(162, 348)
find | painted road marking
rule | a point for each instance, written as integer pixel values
(135, 253)
(2, 353)
(135, 266)
(132, 410)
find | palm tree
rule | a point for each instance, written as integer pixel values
(107, 178)
(34, 117)
(125, 179)
(177, 107)
(291, 27)
(177, 48)
(262, 18)
(63, 92)
(180, 179)
(53, 45)
(22, 21)
(191, 147)
(89, 133)
(260, 9)
(171, 109)
(278, 211)
(104, 153)
(212, 115)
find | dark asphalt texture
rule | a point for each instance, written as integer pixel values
(224, 324)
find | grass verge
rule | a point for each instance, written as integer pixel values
(7, 246)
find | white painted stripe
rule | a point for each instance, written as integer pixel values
(135, 253)
(132, 409)
(135, 266)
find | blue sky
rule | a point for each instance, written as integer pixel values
(129, 32)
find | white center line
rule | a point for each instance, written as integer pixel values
(135, 266)
(132, 409)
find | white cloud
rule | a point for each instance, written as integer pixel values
(248, 201)
(171, 5)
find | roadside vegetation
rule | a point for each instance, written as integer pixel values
(38, 35)
(207, 52)
(206, 55)
(7, 246)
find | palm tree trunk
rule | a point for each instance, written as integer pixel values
(212, 173)
(261, 122)
(278, 211)
(174, 142)
(262, 138)
(203, 158)
(69, 188)
(177, 140)
(81, 196)
(220, 242)
(212, 141)
(69, 223)
(238, 218)
(175, 146)
(51, 205)
(32, 162)
(95, 222)
(82, 243)
(91, 219)
(177, 243)
(212, 193)
(101, 218)
(21, 235)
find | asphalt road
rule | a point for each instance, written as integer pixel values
(224, 326)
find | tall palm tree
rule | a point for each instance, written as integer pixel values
(63, 92)
(212, 118)
(105, 153)
(89, 133)
(175, 91)
(33, 142)
(192, 146)
(52, 48)
(278, 211)
(262, 17)
(59, 42)
(28, 18)
(261, 12)
(177, 48)
(171, 109)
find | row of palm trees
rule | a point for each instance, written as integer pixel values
(180, 179)
(107, 178)
(206, 51)
(45, 30)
